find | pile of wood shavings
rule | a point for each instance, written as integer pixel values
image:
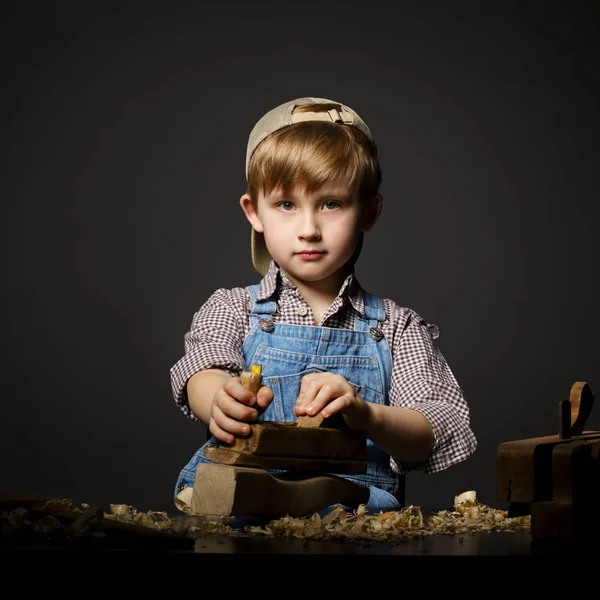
(408, 523)
(468, 516)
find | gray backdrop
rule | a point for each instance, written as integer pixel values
(124, 137)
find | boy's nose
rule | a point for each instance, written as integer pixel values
(309, 227)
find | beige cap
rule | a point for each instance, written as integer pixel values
(277, 118)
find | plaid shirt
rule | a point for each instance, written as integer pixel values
(421, 378)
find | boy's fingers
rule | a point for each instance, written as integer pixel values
(312, 384)
(300, 410)
(326, 396)
(264, 397)
(307, 395)
(229, 427)
(333, 407)
(233, 409)
(239, 393)
(220, 434)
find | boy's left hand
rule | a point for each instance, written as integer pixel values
(329, 394)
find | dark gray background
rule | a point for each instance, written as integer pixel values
(124, 137)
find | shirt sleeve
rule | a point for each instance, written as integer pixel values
(423, 381)
(214, 341)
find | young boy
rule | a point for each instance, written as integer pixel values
(324, 344)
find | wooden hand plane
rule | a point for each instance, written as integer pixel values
(308, 444)
(556, 478)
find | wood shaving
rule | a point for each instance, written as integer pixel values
(126, 513)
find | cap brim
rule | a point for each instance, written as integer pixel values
(261, 259)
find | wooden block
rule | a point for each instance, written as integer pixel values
(222, 490)
(227, 456)
(270, 438)
(336, 421)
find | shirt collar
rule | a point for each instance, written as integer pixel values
(275, 280)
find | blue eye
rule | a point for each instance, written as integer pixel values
(333, 202)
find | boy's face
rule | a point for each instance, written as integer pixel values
(326, 220)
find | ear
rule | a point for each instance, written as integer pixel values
(251, 213)
(371, 212)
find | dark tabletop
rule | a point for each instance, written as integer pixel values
(236, 543)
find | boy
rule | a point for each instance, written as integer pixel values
(324, 344)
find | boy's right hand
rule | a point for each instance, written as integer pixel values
(234, 407)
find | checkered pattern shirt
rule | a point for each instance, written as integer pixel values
(421, 378)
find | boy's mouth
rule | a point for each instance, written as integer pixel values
(309, 254)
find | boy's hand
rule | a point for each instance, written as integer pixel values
(233, 407)
(329, 394)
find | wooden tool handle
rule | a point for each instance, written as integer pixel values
(575, 411)
(582, 400)
(252, 380)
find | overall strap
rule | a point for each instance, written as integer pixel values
(373, 307)
(261, 309)
(374, 314)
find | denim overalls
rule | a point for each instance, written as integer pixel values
(288, 352)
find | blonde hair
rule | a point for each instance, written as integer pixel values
(309, 154)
